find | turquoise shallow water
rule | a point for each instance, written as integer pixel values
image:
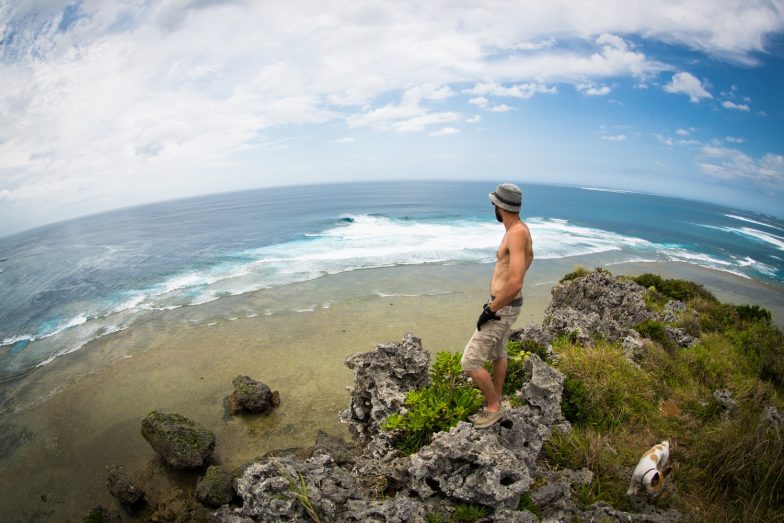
(69, 283)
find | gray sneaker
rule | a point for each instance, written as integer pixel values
(486, 418)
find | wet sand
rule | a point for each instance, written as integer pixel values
(82, 412)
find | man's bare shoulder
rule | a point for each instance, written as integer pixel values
(520, 230)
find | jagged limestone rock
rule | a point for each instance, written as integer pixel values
(182, 443)
(597, 303)
(673, 310)
(269, 490)
(471, 466)
(382, 377)
(680, 337)
(543, 389)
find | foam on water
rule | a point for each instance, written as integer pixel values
(744, 219)
(355, 242)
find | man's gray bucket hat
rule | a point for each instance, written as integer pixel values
(507, 196)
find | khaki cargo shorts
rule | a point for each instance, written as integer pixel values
(490, 342)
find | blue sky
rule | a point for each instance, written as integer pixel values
(108, 104)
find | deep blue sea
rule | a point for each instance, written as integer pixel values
(68, 283)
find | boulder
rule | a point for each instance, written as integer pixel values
(215, 488)
(382, 377)
(251, 396)
(597, 303)
(470, 466)
(182, 443)
(123, 487)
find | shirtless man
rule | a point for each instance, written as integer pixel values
(514, 257)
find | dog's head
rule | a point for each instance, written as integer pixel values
(654, 485)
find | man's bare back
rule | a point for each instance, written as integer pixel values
(513, 259)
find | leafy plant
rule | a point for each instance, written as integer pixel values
(439, 407)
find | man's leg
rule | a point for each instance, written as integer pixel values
(485, 383)
(499, 375)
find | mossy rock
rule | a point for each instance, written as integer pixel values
(215, 488)
(251, 396)
(182, 443)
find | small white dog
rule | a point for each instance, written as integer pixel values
(649, 472)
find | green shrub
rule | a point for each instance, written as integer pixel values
(715, 316)
(517, 353)
(575, 401)
(763, 344)
(674, 289)
(448, 400)
(578, 272)
(654, 331)
(515, 367)
(753, 313)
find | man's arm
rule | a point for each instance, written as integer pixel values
(518, 242)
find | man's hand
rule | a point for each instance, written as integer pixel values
(487, 315)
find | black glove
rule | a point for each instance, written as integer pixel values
(487, 315)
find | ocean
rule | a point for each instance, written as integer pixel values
(66, 284)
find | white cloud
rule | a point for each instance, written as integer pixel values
(734, 165)
(727, 104)
(526, 90)
(614, 138)
(501, 108)
(479, 101)
(665, 140)
(474, 119)
(685, 132)
(592, 89)
(445, 131)
(734, 139)
(146, 97)
(688, 84)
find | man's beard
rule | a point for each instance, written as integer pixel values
(498, 215)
